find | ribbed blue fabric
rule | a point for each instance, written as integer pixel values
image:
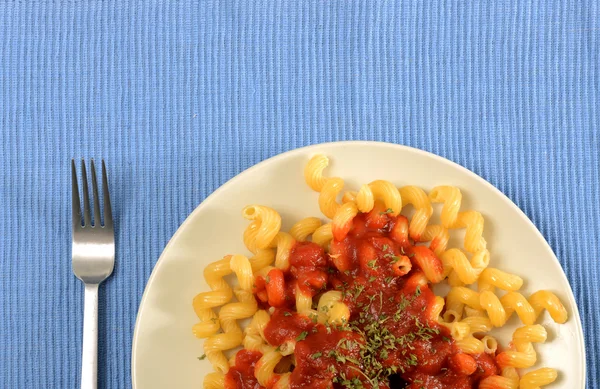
(179, 96)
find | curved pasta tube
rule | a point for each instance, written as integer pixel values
(254, 338)
(303, 302)
(439, 237)
(215, 380)
(470, 345)
(313, 172)
(305, 227)
(500, 309)
(478, 324)
(490, 344)
(460, 296)
(540, 377)
(379, 190)
(249, 236)
(547, 300)
(349, 197)
(524, 356)
(264, 370)
(262, 259)
(430, 264)
(328, 197)
(470, 312)
(399, 232)
(452, 198)
(284, 243)
(240, 265)
(514, 301)
(458, 330)
(531, 333)
(528, 310)
(402, 265)
(323, 235)
(467, 271)
(463, 364)
(204, 302)
(232, 334)
(266, 223)
(492, 278)
(508, 380)
(454, 279)
(274, 285)
(342, 220)
(473, 222)
(450, 316)
(287, 347)
(494, 308)
(436, 308)
(330, 303)
(423, 210)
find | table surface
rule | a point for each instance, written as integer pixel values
(178, 97)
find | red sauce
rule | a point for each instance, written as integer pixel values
(241, 376)
(390, 331)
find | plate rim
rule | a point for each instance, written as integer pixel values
(160, 262)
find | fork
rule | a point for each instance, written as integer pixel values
(93, 261)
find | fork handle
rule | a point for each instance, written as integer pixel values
(89, 356)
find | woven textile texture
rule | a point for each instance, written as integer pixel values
(180, 96)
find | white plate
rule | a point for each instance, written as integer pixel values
(165, 351)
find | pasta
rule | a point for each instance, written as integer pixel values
(524, 355)
(544, 299)
(349, 302)
(254, 333)
(323, 235)
(429, 263)
(467, 271)
(423, 210)
(214, 380)
(473, 222)
(439, 237)
(313, 172)
(451, 197)
(491, 278)
(509, 379)
(261, 232)
(232, 334)
(379, 190)
(265, 367)
(332, 306)
(205, 302)
(540, 377)
(328, 196)
(342, 221)
(283, 242)
(304, 228)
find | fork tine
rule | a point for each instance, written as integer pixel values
(96, 198)
(76, 210)
(108, 222)
(86, 197)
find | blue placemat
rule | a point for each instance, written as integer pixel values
(179, 96)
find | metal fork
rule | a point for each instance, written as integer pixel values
(93, 261)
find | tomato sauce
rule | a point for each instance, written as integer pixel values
(241, 376)
(390, 340)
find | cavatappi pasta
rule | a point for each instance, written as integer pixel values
(347, 302)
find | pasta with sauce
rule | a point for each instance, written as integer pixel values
(348, 302)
